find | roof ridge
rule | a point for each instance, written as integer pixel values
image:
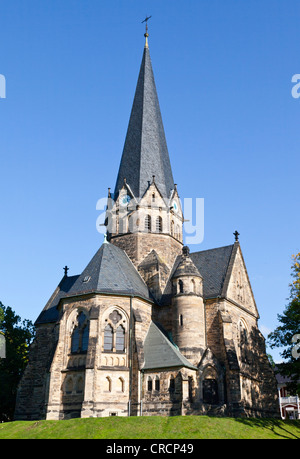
(215, 248)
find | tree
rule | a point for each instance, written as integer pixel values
(285, 335)
(18, 336)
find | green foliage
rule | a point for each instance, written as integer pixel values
(18, 336)
(153, 427)
(283, 335)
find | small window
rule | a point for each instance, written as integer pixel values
(108, 384)
(157, 384)
(149, 385)
(153, 197)
(148, 224)
(172, 228)
(159, 225)
(181, 320)
(193, 286)
(180, 283)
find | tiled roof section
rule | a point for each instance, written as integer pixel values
(145, 150)
(50, 312)
(160, 352)
(109, 271)
(213, 265)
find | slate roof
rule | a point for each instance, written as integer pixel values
(213, 265)
(160, 352)
(145, 150)
(109, 271)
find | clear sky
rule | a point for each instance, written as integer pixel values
(223, 72)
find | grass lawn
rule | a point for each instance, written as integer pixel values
(154, 427)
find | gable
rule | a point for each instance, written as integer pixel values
(237, 285)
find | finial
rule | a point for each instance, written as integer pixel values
(66, 269)
(185, 251)
(109, 193)
(153, 178)
(236, 235)
(146, 35)
(105, 239)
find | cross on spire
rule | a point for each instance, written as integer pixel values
(236, 235)
(146, 35)
(66, 269)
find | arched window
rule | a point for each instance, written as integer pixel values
(147, 224)
(159, 225)
(108, 384)
(122, 384)
(80, 335)
(181, 320)
(108, 338)
(149, 384)
(120, 339)
(153, 197)
(193, 286)
(157, 384)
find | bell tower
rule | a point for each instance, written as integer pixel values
(144, 215)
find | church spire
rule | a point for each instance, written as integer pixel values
(145, 152)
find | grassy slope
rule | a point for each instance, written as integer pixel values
(189, 427)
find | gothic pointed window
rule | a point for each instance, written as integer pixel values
(159, 225)
(80, 335)
(108, 338)
(147, 224)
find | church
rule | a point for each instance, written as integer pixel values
(149, 328)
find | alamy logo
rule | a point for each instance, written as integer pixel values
(122, 218)
(2, 87)
(296, 88)
(296, 348)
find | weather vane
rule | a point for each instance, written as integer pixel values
(146, 35)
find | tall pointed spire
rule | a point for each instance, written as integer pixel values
(145, 152)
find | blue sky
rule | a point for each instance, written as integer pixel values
(223, 72)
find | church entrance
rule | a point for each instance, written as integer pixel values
(210, 391)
